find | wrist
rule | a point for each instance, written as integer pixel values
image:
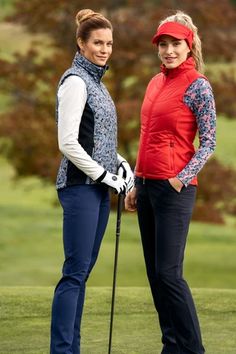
(122, 163)
(103, 175)
(176, 183)
(120, 159)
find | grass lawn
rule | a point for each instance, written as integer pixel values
(6, 8)
(226, 143)
(31, 256)
(25, 312)
(22, 41)
(31, 249)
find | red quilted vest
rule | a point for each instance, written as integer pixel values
(168, 126)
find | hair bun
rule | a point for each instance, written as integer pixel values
(84, 15)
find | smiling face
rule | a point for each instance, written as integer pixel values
(98, 47)
(172, 51)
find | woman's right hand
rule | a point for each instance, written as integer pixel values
(131, 200)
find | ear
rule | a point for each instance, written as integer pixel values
(80, 43)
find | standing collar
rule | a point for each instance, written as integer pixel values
(188, 64)
(95, 70)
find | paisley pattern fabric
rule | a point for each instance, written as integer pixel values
(199, 98)
(105, 118)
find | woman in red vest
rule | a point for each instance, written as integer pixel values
(178, 103)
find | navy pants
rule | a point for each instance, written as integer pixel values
(86, 211)
(164, 217)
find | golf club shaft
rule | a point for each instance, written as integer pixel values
(118, 221)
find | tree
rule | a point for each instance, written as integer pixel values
(216, 193)
(32, 81)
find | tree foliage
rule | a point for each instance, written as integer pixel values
(32, 82)
(216, 193)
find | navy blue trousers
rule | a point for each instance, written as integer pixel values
(164, 216)
(85, 216)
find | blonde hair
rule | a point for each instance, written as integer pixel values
(87, 21)
(196, 51)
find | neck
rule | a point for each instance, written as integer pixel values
(188, 64)
(95, 70)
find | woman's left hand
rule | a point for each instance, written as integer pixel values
(176, 184)
(125, 171)
(131, 200)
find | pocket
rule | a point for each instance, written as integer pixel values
(170, 187)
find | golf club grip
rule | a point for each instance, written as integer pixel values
(121, 198)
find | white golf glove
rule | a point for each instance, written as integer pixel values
(125, 171)
(114, 181)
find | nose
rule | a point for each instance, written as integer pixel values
(169, 49)
(104, 48)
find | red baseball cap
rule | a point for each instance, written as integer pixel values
(176, 30)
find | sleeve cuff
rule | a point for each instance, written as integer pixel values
(99, 179)
(120, 159)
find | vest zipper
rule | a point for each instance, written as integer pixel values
(148, 125)
(172, 145)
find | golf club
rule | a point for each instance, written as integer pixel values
(118, 221)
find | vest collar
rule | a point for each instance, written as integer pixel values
(95, 70)
(188, 64)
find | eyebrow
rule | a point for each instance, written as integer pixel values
(100, 40)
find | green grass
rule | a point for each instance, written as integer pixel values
(15, 38)
(25, 311)
(221, 67)
(6, 7)
(226, 143)
(22, 41)
(31, 255)
(5, 102)
(31, 245)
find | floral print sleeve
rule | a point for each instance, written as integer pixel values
(199, 98)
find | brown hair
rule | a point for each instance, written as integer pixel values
(196, 51)
(87, 20)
